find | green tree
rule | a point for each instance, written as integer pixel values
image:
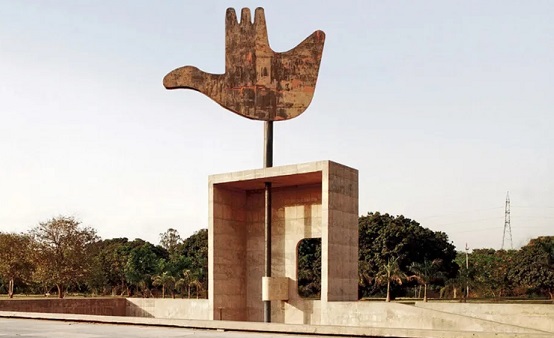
(534, 266)
(309, 267)
(108, 266)
(195, 255)
(424, 273)
(142, 263)
(184, 282)
(171, 240)
(187, 282)
(490, 271)
(176, 261)
(463, 281)
(166, 281)
(383, 237)
(62, 251)
(390, 272)
(197, 287)
(15, 264)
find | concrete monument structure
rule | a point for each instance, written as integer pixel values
(258, 84)
(312, 200)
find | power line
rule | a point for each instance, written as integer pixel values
(474, 230)
(533, 217)
(458, 212)
(535, 227)
(531, 207)
(471, 221)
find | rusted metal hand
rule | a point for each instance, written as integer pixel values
(258, 83)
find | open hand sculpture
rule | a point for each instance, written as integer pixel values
(258, 83)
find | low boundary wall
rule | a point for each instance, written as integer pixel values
(395, 315)
(537, 316)
(193, 309)
(497, 318)
(83, 306)
(130, 307)
(334, 330)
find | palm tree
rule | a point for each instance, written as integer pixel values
(390, 272)
(184, 282)
(165, 280)
(197, 286)
(426, 272)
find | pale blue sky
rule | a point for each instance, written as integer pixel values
(442, 106)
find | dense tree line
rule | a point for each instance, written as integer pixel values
(397, 258)
(62, 255)
(391, 249)
(426, 259)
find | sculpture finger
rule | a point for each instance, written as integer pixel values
(260, 26)
(245, 19)
(230, 18)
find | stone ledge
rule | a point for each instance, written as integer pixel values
(272, 327)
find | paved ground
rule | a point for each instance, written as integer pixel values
(11, 328)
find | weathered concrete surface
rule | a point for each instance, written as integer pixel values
(395, 315)
(16, 327)
(258, 83)
(136, 307)
(274, 327)
(311, 200)
(347, 318)
(87, 306)
(427, 316)
(537, 316)
(196, 309)
(275, 288)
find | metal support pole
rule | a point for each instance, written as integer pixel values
(268, 144)
(268, 162)
(467, 272)
(267, 270)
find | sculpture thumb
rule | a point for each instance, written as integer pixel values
(188, 77)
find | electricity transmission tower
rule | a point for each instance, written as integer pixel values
(507, 226)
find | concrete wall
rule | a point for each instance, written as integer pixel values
(497, 318)
(227, 272)
(168, 308)
(134, 307)
(296, 215)
(538, 316)
(394, 315)
(318, 199)
(85, 306)
(339, 255)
